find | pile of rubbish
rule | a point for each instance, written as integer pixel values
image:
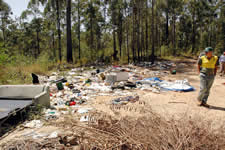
(73, 92)
(70, 91)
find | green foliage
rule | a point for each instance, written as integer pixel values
(192, 25)
(3, 57)
(17, 70)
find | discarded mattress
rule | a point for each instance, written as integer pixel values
(171, 86)
(151, 81)
(179, 85)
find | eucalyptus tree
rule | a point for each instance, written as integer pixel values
(197, 12)
(114, 22)
(5, 11)
(36, 23)
(93, 22)
(78, 11)
(221, 43)
(49, 15)
(154, 6)
(54, 9)
(68, 32)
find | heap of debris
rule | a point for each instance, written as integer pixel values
(149, 132)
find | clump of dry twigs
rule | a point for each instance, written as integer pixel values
(150, 132)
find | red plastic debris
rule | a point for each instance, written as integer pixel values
(72, 103)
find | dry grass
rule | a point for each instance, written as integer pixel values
(35, 68)
(21, 74)
(152, 132)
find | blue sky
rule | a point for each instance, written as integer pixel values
(17, 6)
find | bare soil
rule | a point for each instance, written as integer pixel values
(168, 104)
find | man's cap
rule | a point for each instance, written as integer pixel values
(208, 49)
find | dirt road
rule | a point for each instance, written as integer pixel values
(179, 104)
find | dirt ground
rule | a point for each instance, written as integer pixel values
(179, 104)
(167, 104)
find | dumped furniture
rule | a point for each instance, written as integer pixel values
(14, 98)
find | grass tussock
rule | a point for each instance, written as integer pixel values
(152, 132)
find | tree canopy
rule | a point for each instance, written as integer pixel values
(112, 30)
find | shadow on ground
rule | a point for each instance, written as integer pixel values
(217, 108)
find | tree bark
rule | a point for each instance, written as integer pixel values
(152, 58)
(138, 31)
(59, 30)
(114, 45)
(146, 29)
(79, 29)
(156, 34)
(120, 35)
(68, 32)
(38, 44)
(167, 23)
(133, 37)
(127, 37)
(174, 35)
(142, 41)
(193, 33)
(128, 52)
(92, 33)
(53, 45)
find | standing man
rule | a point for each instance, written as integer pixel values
(222, 64)
(207, 68)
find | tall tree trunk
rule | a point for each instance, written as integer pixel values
(59, 30)
(68, 32)
(152, 59)
(142, 41)
(38, 44)
(53, 45)
(134, 27)
(210, 35)
(79, 29)
(160, 42)
(114, 45)
(120, 35)
(138, 30)
(92, 33)
(174, 35)
(114, 34)
(146, 29)
(142, 44)
(193, 36)
(127, 31)
(156, 34)
(167, 23)
(128, 52)
(223, 34)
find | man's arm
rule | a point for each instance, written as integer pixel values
(199, 65)
(199, 68)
